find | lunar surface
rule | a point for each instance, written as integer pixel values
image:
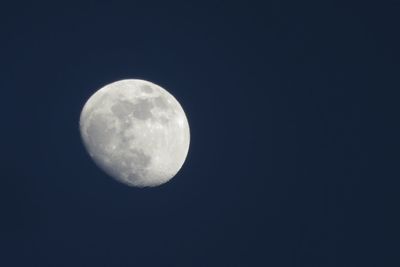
(136, 132)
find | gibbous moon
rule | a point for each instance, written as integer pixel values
(136, 132)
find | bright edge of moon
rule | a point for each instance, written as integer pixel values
(136, 132)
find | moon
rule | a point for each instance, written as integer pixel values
(136, 132)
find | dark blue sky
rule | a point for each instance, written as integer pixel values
(293, 108)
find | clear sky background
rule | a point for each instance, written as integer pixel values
(294, 116)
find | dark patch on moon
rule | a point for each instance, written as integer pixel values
(161, 103)
(147, 88)
(142, 109)
(164, 120)
(141, 158)
(122, 109)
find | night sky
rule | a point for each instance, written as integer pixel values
(294, 117)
